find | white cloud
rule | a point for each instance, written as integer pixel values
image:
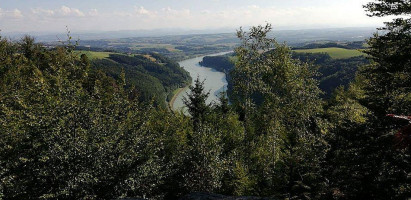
(176, 13)
(168, 17)
(63, 11)
(298, 16)
(163, 14)
(137, 12)
(11, 14)
(93, 12)
(121, 14)
(140, 17)
(42, 12)
(141, 10)
(17, 13)
(66, 11)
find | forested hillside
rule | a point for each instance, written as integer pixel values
(154, 77)
(71, 128)
(223, 63)
(333, 73)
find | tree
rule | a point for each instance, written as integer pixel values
(280, 106)
(364, 162)
(67, 133)
(382, 8)
(223, 106)
(387, 85)
(387, 80)
(196, 102)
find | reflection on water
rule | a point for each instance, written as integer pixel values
(215, 81)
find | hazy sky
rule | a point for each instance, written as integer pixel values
(104, 15)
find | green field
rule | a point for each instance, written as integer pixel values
(94, 54)
(335, 53)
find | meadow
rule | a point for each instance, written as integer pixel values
(95, 54)
(335, 53)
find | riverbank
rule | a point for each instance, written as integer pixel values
(176, 93)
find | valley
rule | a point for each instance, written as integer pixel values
(187, 49)
(195, 100)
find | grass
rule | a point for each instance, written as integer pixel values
(95, 55)
(335, 53)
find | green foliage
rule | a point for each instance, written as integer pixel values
(67, 134)
(382, 8)
(196, 102)
(387, 80)
(204, 160)
(151, 79)
(148, 87)
(69, 130)
(344, 107)
(333, 72)
(282, 129)
(219, 63)
(364, 161)
(346, 164)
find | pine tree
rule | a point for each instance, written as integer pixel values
(387, 81)
(364, 162)
(196, 102)
(387, 86)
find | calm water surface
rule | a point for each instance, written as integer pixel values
(215, 81)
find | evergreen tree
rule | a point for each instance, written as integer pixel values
(387, 81)
(196, 102)
(387, 85)
(364, 162)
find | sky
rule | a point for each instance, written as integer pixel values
(114, 15)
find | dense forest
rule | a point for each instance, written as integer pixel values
(347, 45)
(73, 129)
(222, 63)
(154, 77)
(333, 73)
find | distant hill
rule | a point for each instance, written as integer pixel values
(183, 45)
(291, 35)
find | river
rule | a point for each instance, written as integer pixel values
(215, 81)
